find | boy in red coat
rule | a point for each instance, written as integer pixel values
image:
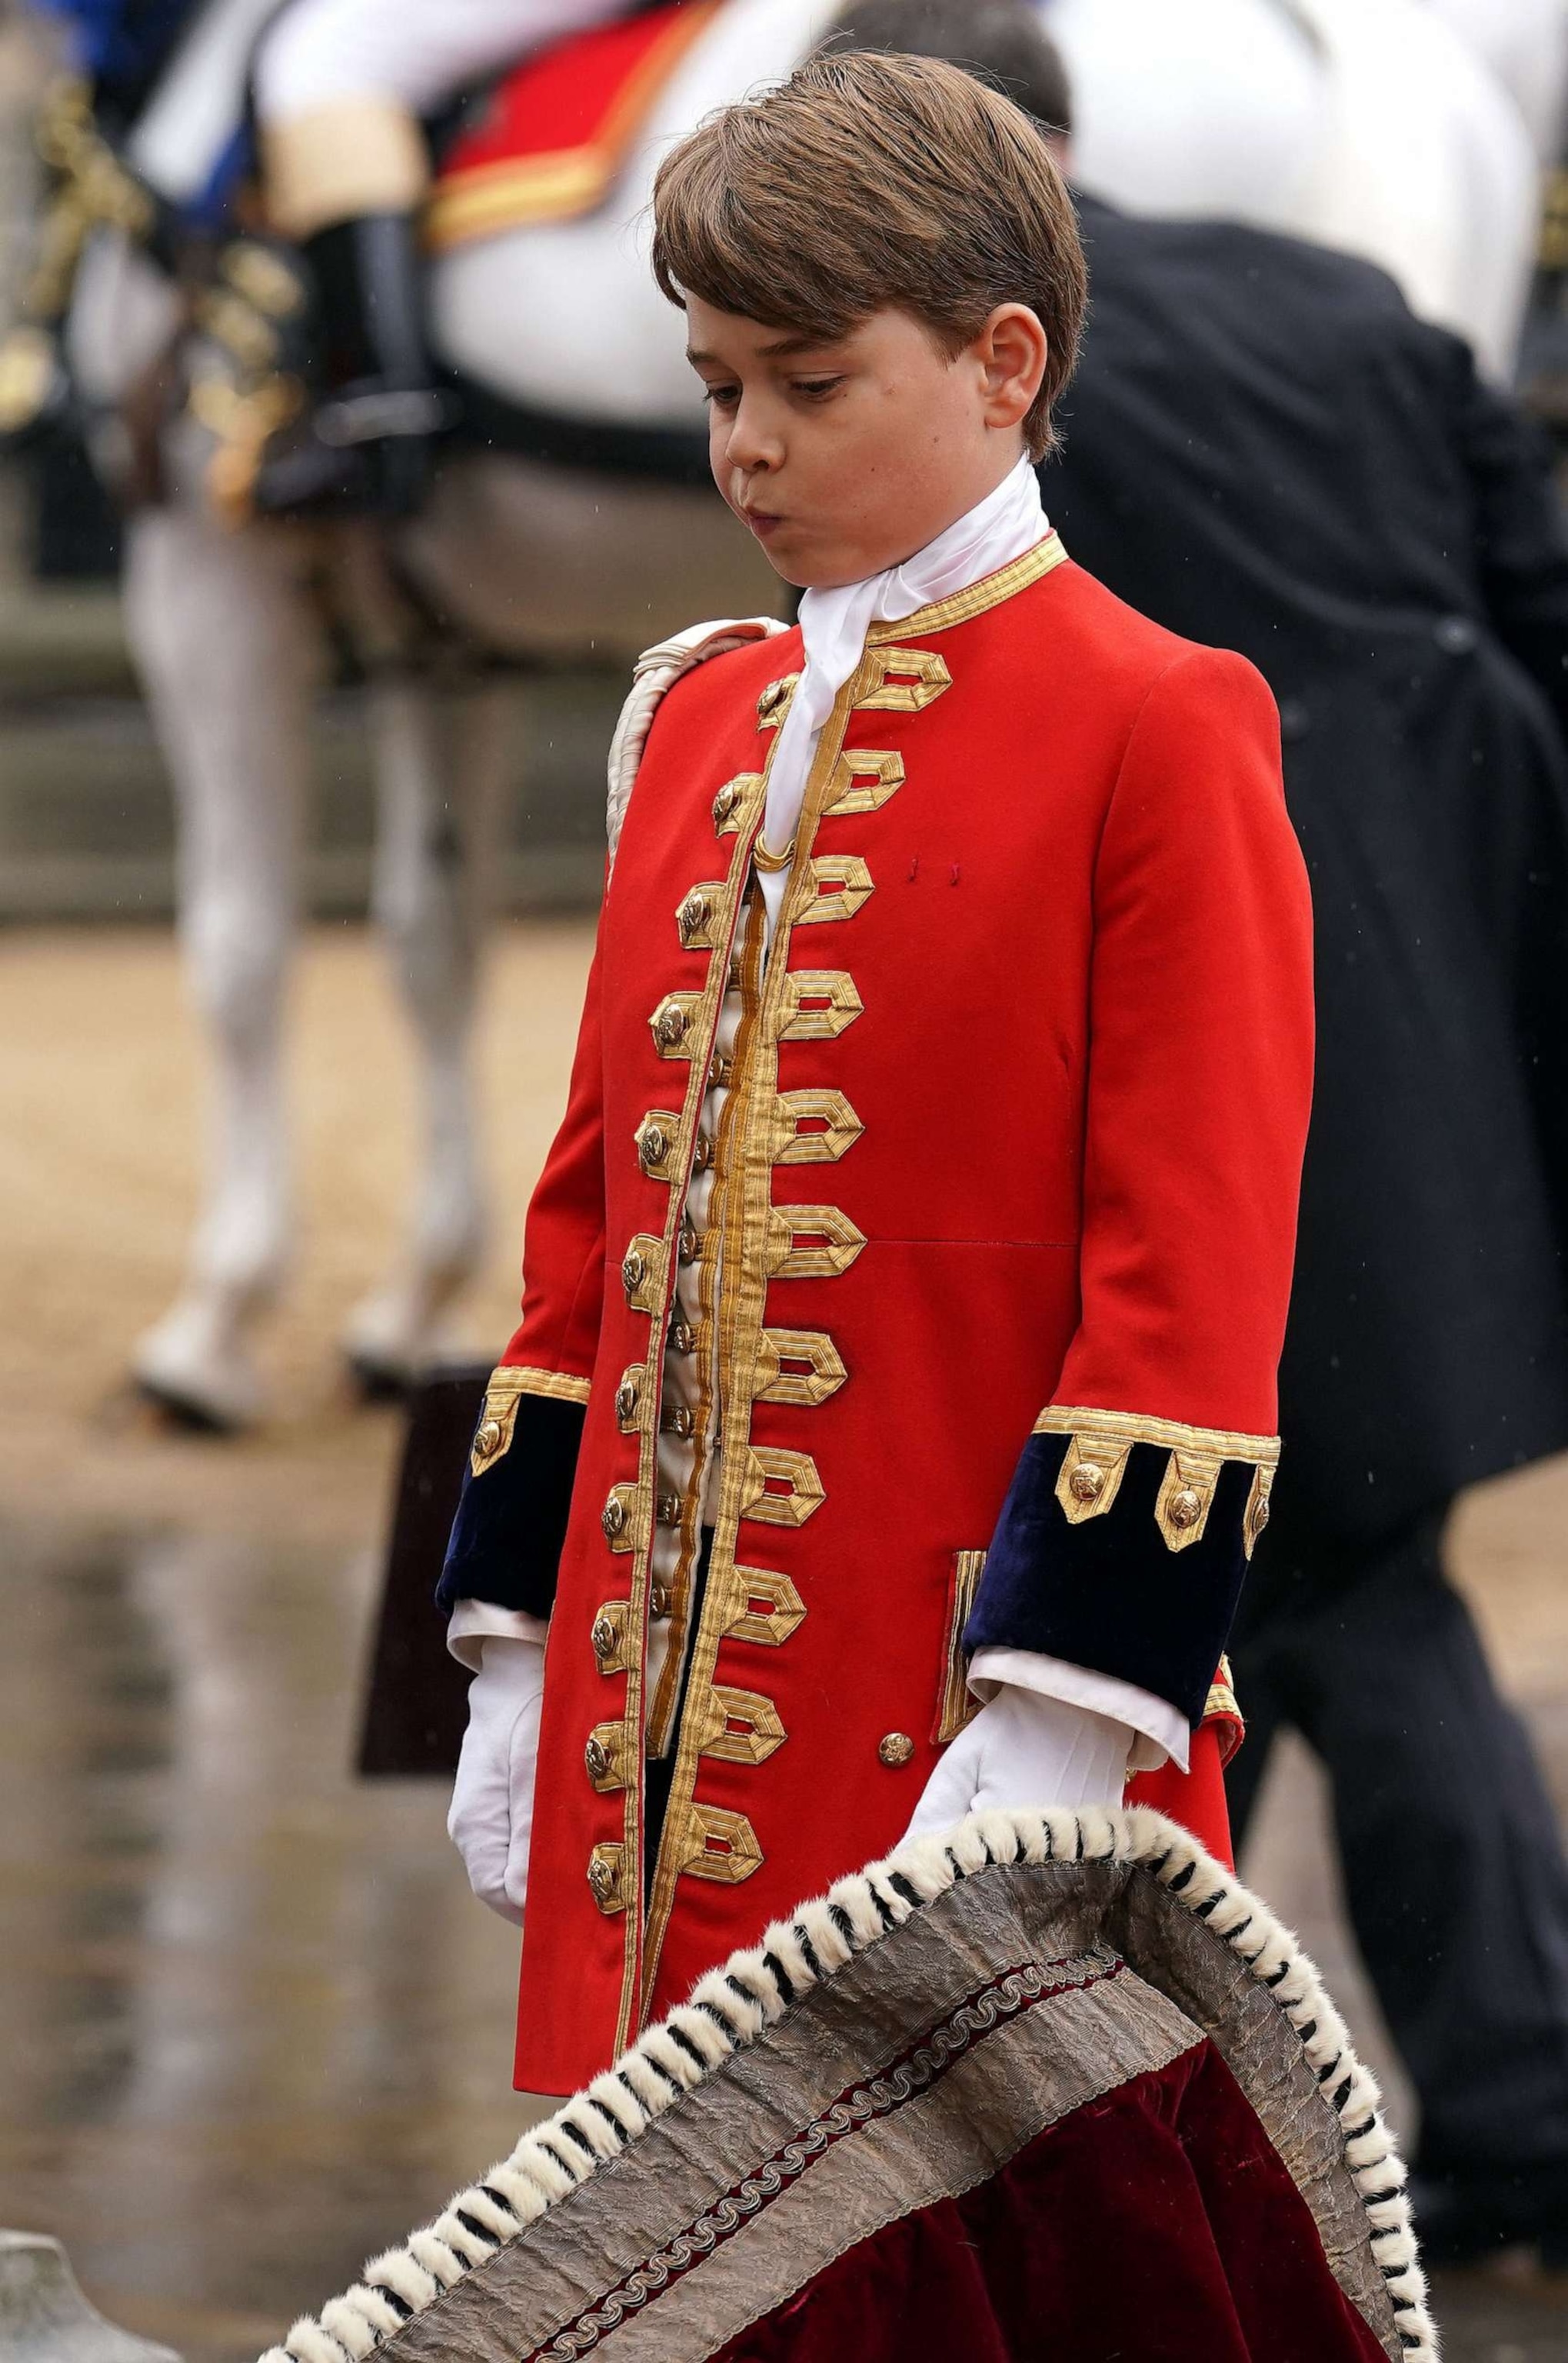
(891, 1416)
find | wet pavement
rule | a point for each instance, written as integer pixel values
(255, 2027)
(252, 2026)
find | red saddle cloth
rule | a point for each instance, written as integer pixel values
(554, 132)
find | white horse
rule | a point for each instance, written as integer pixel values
(1362, 122)
(1525, 42)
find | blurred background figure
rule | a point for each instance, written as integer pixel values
(341, 89)
(1267, 450)
(1370, 125)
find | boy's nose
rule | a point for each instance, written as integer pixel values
(751, 447)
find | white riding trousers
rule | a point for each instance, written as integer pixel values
(319, 51)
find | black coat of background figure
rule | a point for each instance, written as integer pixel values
(1264, 449)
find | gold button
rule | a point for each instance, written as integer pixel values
(683, 1338)
(1087, 1482)
(725, 805)
(661, 1600)
(1185, 1510)
(605, 1882)
(1260, 1514)
(689, 1247)
(489, 1438)
(613, 1519)
(634, 1271)
(896, 1749)
(693, 917)
(774, 698)
(680, 1421)
(603, 1637)
(669, 1025)
(668, 1509)
(720, 1071)
(703, 1157)
(596, 1755)
(626, 1400)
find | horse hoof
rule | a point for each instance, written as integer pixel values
(392, 1338)
(196, 1375)
(186, 1411)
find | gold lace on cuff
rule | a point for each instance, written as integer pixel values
(1096, 1460)
(498, 1421)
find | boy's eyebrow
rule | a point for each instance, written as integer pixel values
(799, 343)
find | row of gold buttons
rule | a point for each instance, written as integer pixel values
(800, 1367)
(701, 922)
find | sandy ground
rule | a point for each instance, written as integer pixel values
(100, 1148)
(251, 2024)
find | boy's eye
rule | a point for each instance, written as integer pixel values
(721, 397)
(817, 389)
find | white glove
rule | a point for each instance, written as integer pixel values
(1026, 1749)
(493, 1799)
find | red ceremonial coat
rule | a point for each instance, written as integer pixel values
(992, 1281)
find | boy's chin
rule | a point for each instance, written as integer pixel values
(803, 572)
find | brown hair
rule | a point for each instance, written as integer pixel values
(865, 182)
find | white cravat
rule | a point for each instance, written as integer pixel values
(833, 624)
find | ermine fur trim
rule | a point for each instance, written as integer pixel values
(730, 2006)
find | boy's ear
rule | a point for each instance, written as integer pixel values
(1013, 351)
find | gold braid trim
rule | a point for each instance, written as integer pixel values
(498, 1421)
(963, 607)
(1095, 1461)
(1222, 1697)
(1220, 1707)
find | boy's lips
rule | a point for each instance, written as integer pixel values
(761, 523)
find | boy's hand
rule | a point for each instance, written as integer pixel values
(1026, 1749)
(491, 1816)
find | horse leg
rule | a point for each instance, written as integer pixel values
(225, 656)
(441, 759)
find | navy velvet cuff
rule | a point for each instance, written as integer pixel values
(511, 1522)
(1109, 1595)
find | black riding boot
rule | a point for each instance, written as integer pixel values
(365, 442)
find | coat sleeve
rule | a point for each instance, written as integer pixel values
(511, 1522)
(1135, 1505)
